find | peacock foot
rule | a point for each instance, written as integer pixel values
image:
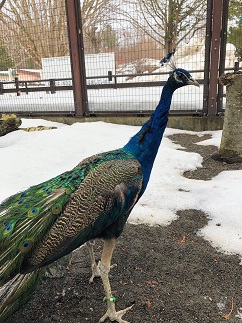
(95, 272)
(113, 315)
(104, 267)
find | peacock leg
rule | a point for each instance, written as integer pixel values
(94, 266)
(104, 267)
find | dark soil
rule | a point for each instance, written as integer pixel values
(170, 273)
(212, 162)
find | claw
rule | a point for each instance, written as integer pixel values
(115, 316)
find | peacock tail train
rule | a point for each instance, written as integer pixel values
(16, 293)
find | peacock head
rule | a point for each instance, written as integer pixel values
(179, 77)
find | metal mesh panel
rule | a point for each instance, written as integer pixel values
(136, 39)
(123, 43)
(34, 54)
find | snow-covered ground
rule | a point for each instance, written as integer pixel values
(130, 99)
(28, 158)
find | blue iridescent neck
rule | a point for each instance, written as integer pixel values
(145, 144)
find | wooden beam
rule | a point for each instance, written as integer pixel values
(74, 23)
(215, 56)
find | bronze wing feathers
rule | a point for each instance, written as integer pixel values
(107, 193)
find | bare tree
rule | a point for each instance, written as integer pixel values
(167, 22)
(35, 28)
(97, 17)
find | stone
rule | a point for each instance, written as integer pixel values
(9, 123)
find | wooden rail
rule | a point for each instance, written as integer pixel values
(29, 86)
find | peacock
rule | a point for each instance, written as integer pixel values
(93, 200)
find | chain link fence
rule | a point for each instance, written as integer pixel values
(34, 57)
(123, 44)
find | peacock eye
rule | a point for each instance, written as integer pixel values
(178, 76)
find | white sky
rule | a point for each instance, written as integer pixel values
(28, 158)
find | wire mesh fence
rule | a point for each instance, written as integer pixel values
(34, 49)
(139, 35)
(123, 44)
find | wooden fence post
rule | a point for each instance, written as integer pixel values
(224, 28)
(1, 88)
(16, 80)
(74, 23)
(215, 51)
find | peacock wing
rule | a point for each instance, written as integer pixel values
(26, 217)
(107, 194)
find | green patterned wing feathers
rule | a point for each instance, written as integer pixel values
(26, 217)
(106, 194)
(63, 212)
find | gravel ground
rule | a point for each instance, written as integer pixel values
(170, 273)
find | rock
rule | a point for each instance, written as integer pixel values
(8, 123)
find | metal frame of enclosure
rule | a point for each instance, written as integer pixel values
(215, 51)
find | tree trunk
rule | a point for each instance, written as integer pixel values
(231, 143)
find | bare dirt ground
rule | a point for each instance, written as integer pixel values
(170, 273)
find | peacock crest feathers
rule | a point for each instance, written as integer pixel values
(169, 61)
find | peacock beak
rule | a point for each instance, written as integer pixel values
(191, 81)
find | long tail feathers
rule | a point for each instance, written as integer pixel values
(16, 292)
